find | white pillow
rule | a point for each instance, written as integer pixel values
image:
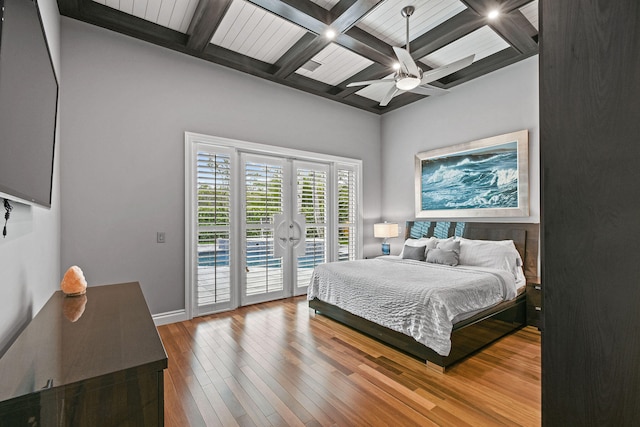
(501, 255)
(427, 242)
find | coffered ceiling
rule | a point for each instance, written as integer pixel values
(285, 41)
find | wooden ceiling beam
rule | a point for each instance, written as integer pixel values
(510, 24)
(298, 59)
(358, 9)
(364, 102)
(297, 50)
(310, 19)
(524, 23)
(324, 90)
(235, 60)
(484, 66)
(514, 34)
(341, 7)
(449, 31)
(354, 14)
(365, 50)
(205, 21)
(483, 7)
(106, 17)
(310, 8)
(373, 48)
(68, 7)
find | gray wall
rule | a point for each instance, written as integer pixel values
(30, 254)
(501, 102)
(127, 105)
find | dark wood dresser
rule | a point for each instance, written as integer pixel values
(104, 368)
(534, 302)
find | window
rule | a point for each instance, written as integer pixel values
(243, 200)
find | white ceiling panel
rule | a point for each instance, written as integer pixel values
(378, 91)
(530, 11)
(140, 8)
(111, 3)
(174, 14)
(165, 12)
(386, 22)
(483, 42)
(125, 6)
(327, 4)
(251, 31)
(337, 65)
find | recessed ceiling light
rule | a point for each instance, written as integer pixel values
(493, 14)
(330, 34)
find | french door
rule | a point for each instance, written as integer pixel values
(284, 211)
(259, 223)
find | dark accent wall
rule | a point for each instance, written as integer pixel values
(590, 160)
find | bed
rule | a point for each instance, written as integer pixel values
(463, 330)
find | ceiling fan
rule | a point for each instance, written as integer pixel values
(409, 77)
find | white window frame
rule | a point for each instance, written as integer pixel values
(335, 224)
(235, 147)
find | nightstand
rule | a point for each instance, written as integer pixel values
(534, 302)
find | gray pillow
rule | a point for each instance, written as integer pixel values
(432, 243)
(441, 256)
(413, 252)
(449, 245)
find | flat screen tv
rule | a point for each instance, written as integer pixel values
(28, 105)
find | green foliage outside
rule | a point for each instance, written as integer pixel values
(264, 199)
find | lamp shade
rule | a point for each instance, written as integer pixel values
(385, 230)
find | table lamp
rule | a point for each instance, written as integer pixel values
(385, 230)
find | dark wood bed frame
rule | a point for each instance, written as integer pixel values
(470, 335)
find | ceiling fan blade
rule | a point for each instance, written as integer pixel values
(369, 82)
(445, 70)
(429, 90)
(406, 61)
(392, 92)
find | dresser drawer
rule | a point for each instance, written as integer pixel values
(534, 305)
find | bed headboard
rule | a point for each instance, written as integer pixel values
(524, 236)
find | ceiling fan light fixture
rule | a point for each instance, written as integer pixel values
(330, 34)
(407, 83)
(409, 77)
(493, 14)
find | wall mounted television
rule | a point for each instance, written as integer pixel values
(28, 105)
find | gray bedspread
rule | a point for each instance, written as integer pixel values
(416, 298)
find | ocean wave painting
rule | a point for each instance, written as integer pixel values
(484, 178)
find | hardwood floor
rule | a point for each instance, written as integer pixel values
(280, 364)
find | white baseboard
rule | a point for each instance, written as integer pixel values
(170, 317)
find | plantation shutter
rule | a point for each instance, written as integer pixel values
(264, 197)
(213, 228)
(311, 183)
(347, 214)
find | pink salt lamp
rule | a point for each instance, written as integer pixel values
(73, 283)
